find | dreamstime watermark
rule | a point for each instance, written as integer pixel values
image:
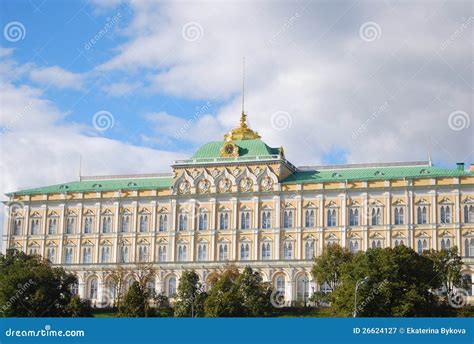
(457, 33)
(287, 24)
(14, 207)
(103, 120)
(458, 297)
(46, 332)
(21, 289)
(14, 31)
(277, 299)
(111, 22)
(192, 31)
(200, 110)
(375, 115)
(459, 120)
(281, 120)
(370, 31)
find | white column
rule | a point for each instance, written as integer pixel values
(277, 202)
(343, 225)
(115, 249)
(61, 225)
(153, 231)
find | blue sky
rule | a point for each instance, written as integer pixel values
(343, 82)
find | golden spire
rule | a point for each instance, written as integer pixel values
(243, 132)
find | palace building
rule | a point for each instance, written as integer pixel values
(241, 202)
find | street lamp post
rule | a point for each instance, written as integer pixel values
(358, 284)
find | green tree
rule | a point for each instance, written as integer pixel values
(30, 287)
(399, 283)
(328, 266)
(448, 265)
(162, 305)
(136, 302)
(78, 308)
(255, 294)
(190, 297)
(224, 298)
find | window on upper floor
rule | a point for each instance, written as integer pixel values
(287, 250)
(399, 242)
(309, 216)
(70, 224)
(331, 217)
(87, 255)
(469, 213)
(88, 222)
(35, 226)
(124, 254)
(421, 245)
(51, 254)
(163, 222)
(223, 252)
(245, 219)
(376, 216)
(182, 253)
(354, 245)
(16, 223)
(143, 223)
(162, 253)
(52, 225)
(353, 216)
(202, 220)
(106, 224)
(224, 220)
(68, 255)
(469, 247)
(287, 218)
(309, 249)
(143, 253)
(445, 243)
(376, 243)
(445, 214)
(202, 252)
(183, 222)
(398, 214)
(125, 224)
(244, 251)
(266, 251)
(105, 254)
(421, 215)
(266, 219)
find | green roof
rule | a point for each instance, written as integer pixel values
(247, 148)
(373, 173)
(102, 185)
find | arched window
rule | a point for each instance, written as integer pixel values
(421, 245)
(244, 251)
(332, 217)
(87, 255)
(266, 219)
(68, 255)
(376, 216)
(309, 218)
(70, 225)
(105, 254)
(287, 250)
(224, 220)
(35, 224)
(223, 252)
(183, 222)
(123, 254)
(182, 253)
(302, 288)
(52, 226)
(88, 224)
(445, 214)
(51, 255)
(202, 225)
(353, 217)
(266, 251)
(143, 223)
(16, 226)
(353, 246)
(162, 253)
(280, 284)
(171, 286)
(309, 249)
(143, 253)
(245, 220)
(93, 285)
(163, 222)
(421, 215)
(106, 224)
(469, 247)
(125, 225)
(376, 243)
(398, 215)
(202, 252)
(287, 218)
(469, 213)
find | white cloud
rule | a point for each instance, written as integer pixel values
(57, 77)
(308, 59)
(121, 88)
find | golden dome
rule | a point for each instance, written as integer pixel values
(243, 132)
